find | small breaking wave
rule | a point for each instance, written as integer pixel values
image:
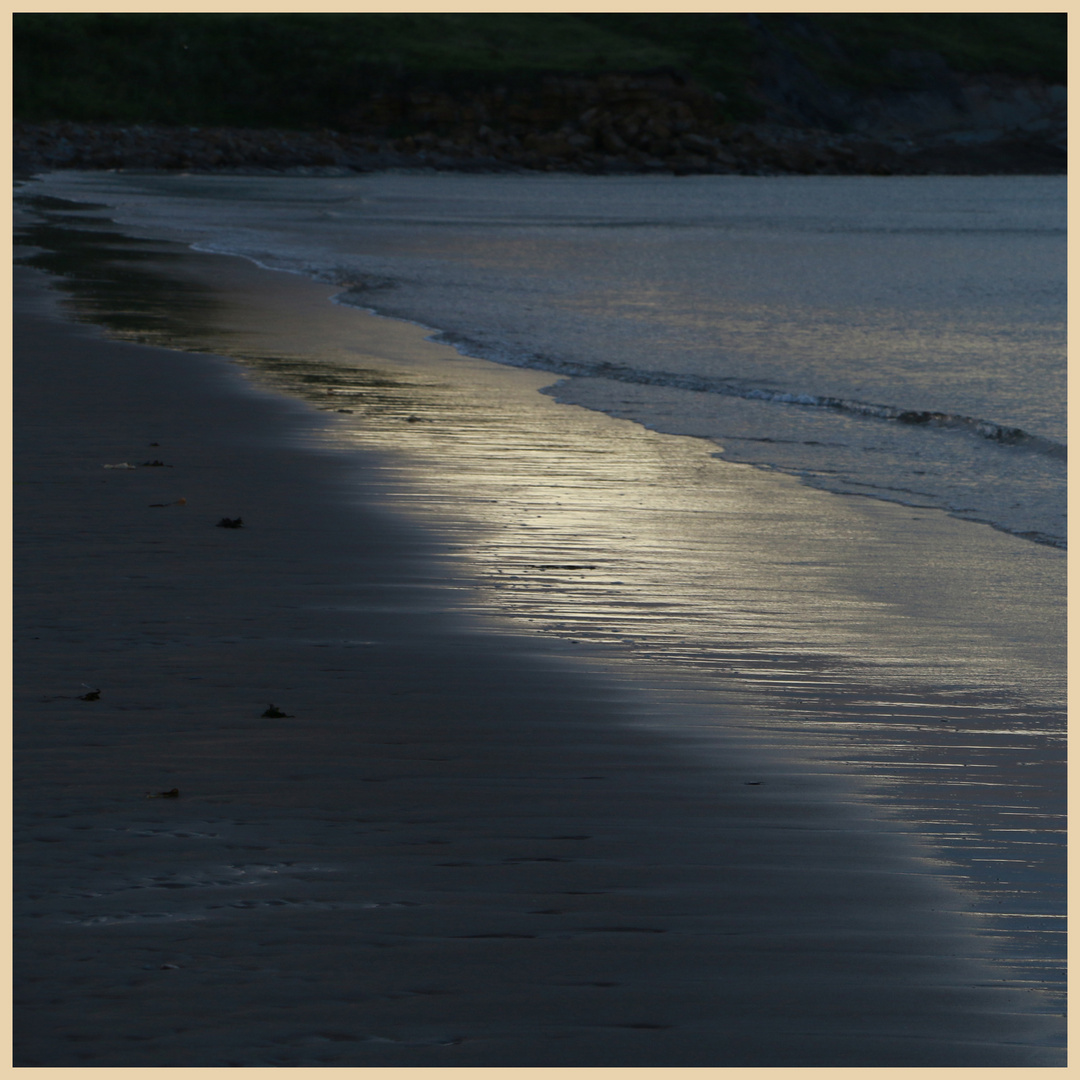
(1000, 434)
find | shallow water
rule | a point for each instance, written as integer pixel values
(901, 338)
(920, 655)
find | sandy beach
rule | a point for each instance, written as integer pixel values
(401, 835)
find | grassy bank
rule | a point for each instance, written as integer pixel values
(304, 71)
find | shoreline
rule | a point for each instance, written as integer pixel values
(1032, 469)
(419, 866)
(916, 697)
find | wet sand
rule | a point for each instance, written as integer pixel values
(460, 847)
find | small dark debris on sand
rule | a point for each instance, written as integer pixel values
(274, 713)
(231, 523)
(173, 794)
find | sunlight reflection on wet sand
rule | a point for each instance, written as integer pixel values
(833, 623)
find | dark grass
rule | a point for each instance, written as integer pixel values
(1008, 44)
(305, 71)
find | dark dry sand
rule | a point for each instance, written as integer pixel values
(455, 852)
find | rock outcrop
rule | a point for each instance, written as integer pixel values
(651, 122)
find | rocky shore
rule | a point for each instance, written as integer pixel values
(613, 124)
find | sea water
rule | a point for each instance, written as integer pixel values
(896, 337)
